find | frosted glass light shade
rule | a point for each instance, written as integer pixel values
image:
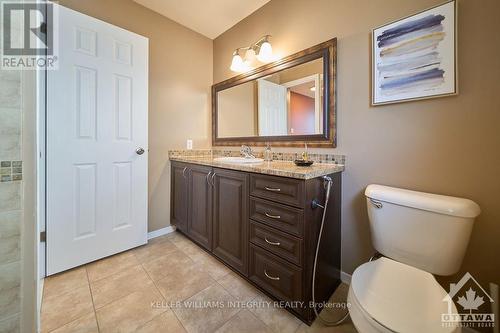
(237, 64)
(265, 53)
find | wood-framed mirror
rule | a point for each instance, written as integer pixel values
(285, 103)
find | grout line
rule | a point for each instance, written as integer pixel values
(226, 321)
(123, 296)
(159, 291)
(211, 285)
(92, 297)
(118, 271)
(179, 320)
(62, 294)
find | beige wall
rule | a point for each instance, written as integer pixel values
(180, 76)
(447, 145)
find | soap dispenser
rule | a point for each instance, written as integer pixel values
(268, 154)
(305, 155)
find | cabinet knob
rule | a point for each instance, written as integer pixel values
(139, 151)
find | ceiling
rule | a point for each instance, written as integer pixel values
(208, 17)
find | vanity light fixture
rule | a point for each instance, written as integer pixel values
(261, 49)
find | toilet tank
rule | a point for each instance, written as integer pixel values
(424, 230)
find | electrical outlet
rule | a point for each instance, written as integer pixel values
(189, 144)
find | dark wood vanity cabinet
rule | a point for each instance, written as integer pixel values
(199, 212)
(210, 205)
(264, 227)
(179, 196)
(230, 218)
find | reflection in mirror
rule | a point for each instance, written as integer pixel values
(289, 102)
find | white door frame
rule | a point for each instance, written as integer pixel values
(41, 186)
(316, 78)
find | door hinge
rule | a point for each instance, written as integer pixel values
(43, 236)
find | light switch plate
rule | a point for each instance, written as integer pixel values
(189, 144)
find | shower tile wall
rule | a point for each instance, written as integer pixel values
(10, 199)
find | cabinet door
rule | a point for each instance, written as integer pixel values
(230, 219)
(179, 196)
(200, 205)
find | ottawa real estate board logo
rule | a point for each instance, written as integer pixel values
(29, 35)
(473, 305)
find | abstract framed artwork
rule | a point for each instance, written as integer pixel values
(415, 57)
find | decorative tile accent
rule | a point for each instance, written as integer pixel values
(11, 171)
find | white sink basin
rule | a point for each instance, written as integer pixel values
(239, 160)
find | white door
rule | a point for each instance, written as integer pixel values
(97, 117)
(272, 108)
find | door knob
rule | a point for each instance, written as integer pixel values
(139, 151)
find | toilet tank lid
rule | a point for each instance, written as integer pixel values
(426, 201)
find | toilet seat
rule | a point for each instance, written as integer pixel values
(390, 296)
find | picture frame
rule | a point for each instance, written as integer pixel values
(415, 57)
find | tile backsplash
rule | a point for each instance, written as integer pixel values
(277, 156)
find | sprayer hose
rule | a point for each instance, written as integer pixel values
(325, 322)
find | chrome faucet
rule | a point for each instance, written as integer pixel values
(246, 151)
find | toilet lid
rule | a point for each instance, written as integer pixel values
(400, 297)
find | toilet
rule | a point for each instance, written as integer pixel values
(418, 234)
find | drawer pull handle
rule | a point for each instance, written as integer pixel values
(275, 278)
(272, 243)
(272, 189)
(273, 216)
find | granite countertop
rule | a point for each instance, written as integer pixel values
(275, 168)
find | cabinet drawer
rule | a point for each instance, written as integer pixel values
(277, 242)
(275, 275)
(285, 190)
(281, 217)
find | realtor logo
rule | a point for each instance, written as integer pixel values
(28, 35)
(472, 304)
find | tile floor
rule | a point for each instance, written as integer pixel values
(137, 291)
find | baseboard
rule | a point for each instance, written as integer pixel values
(161, 232)
(346, 278)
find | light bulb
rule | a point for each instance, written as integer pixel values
(265, 52)
(237, 63)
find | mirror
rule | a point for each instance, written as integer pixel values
(285, 103)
